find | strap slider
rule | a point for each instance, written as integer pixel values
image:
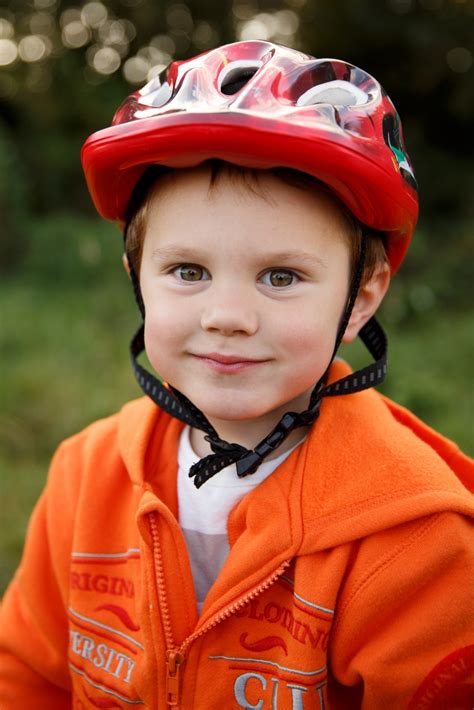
(248, 464)
(282, 429)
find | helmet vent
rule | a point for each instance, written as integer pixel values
(236, 75)
(335, 93)
(154, 94)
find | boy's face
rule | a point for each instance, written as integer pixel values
(243, 292)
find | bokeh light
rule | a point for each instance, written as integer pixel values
(164, 43)
(32, 48)
(243, 11)
(42, 23)
(94, 14)
(130, 30)
(135, 70)
(8, 52)
(254, 29)
(105, 60)
(459, 59)
(280, 26)
(72, 14)
(179, 18)
(152, 55)
(205, 36)
(7, 30)
(75, 34)
(112, 32)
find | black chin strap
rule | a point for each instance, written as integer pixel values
(248, 460)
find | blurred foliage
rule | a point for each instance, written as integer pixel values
(66, 320)
(14, 207)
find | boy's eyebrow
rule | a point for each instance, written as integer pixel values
(282, 257)
(277, 258)
(176, 252)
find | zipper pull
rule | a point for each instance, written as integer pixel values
(174, 659)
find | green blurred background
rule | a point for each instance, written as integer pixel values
(67, 308)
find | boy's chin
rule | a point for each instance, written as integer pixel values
(241, 413)
(230, 409)
(244, 406)
(235, 414)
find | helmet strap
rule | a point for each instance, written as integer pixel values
(247, 461)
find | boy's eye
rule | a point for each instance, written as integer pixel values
(191, 272)
(279, 278)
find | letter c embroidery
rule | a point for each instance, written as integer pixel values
(240, 687)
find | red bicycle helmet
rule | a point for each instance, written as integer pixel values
(262, 105)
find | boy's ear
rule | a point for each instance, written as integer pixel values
(368, 300)
(126, 264)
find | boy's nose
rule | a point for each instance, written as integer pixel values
(229, 314)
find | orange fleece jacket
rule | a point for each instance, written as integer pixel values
(349, 583)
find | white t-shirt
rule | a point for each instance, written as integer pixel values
(203, 512)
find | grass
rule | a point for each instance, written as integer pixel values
(68, 315)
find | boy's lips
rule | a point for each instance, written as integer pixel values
(228, 363)
(230, 359)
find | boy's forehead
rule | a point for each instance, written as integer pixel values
(258, 213)
(213, 181)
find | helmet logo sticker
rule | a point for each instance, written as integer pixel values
(393, 138)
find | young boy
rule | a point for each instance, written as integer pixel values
(273, 535)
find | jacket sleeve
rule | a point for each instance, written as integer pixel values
(404, 631)
(33, 615)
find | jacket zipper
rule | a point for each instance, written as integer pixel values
(175, 656)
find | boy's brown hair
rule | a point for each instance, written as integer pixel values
(144, 190)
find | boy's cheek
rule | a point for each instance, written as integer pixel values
(165, 318)
(311, 339)
(165, 340)
(161, 337)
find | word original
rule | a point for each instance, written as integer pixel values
(102, 583)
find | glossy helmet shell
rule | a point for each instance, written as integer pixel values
(261, 105)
